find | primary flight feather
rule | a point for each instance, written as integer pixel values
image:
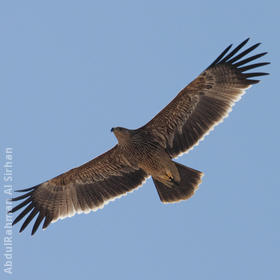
(148, 150)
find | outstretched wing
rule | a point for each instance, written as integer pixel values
(205, 102)
(81, 189)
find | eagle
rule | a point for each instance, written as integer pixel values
(148, 151)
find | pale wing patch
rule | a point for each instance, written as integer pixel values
(242, 92)
(88, 210)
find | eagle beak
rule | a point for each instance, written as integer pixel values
(112, 129)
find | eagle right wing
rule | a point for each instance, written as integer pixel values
(82, 189)
(205, 102)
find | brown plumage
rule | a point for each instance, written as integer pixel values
(147, 151)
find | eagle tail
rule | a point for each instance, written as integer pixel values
(190, 180)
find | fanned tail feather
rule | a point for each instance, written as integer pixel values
(190, 180)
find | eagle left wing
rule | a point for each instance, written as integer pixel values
(205, 102)
(82, 189)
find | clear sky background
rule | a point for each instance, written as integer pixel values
(71, 70)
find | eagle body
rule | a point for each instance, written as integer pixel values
(141, 150)
(149, 150)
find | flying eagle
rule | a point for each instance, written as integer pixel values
(148, 150)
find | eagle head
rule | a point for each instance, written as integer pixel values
(122, 134)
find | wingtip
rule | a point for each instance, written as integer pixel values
(258, 44)
(25, 190)
(252, 82)
(22, 228)
(12, 211)
(255, 74)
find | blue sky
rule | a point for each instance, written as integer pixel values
(71, 70)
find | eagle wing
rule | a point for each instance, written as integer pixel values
(82, 189)
(205, 102)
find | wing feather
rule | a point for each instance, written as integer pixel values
(205, 102)
(83, 189)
